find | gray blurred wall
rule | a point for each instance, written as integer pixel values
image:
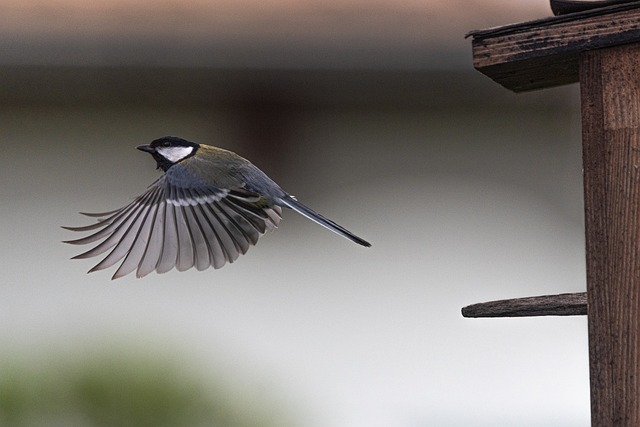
(467, 192)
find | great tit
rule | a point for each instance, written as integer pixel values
(207, 208)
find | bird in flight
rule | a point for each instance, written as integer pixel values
(207, 209)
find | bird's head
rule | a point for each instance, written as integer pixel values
(169, 150)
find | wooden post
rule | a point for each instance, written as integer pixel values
(610, 91)
(600, 48)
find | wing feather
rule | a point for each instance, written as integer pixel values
(101, 214)
(140, 240)
(123, 246)
(113, 232)
(170, 246)
(241, 240)
(246, 225)
(275, 215)
(216, 252)
(109, 224)
(220, 242)
(172, 226)
(151, 257)
(200, 246)
(241, 212)
(230, 247)
(185, 245)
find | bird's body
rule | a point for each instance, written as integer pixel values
(208, 207)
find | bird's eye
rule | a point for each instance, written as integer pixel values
(166, 144)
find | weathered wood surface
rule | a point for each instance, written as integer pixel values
(610, 88)
(545, 53)
(574, 304)
(563, 7)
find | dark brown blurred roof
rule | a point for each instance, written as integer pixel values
(250, 33)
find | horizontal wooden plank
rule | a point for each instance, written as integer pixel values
(574, 304)
(563, 7)
(544, 53)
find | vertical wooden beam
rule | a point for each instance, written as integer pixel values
(610, 92)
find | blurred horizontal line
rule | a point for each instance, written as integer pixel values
(261, 88)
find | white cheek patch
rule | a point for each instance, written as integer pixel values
(174, 154)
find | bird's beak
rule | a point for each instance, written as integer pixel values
(146, 147)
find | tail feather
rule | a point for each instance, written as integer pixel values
(292, 203)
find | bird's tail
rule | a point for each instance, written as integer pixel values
(292, 203)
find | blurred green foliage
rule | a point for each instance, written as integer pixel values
(119, 391)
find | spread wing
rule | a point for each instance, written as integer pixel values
(172, 225)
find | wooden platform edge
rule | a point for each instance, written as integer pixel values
(546, 53)
(571, 304)
(565, 7)
(548, 21)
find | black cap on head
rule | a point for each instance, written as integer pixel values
(172, 141)
(169, 150)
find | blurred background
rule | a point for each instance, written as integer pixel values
(368, 111)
